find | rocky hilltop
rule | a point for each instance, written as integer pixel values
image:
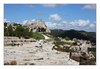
(38, 26)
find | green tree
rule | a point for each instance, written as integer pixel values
(26, 33)
(10, 30)
(67, 38)
(5, 24)
(74, 43)
(19, 31)
(31, 33)
(5, 31)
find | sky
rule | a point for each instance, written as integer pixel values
(55, 16)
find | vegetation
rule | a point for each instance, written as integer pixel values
(11, 44)
(39, 59)
(6, 63)
(74, 34)
(37, 36)
(48, 35)
(67, 38)
(32, 63)
(17, 31)
(57, 32)
(74, 43)
(58, 43)
(20, 31)
(93, 51)
(63, 43)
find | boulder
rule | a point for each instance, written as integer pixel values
(14, 62)
(38, 26)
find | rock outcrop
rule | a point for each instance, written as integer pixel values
(38, 26)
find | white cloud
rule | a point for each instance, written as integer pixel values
(62, 25)
(33, 20)
(80, 23)
(25, 21)
(50, 25)
(39, 12)
(76, 24)
(90, 6)
(17, 22)
(50, 5)
(53, 5)
(64, 22)
(55, 17)
(5, 20)
(30, 6)
(92, 25)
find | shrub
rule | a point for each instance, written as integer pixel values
(39, 59)
(67, 38)
(32, 63)
(8, 44)
(6, 63)
(56, 39)
(74, 43)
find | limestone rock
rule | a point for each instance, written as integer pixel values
(38, 26)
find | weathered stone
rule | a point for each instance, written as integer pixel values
(38, 26)
(13, 62)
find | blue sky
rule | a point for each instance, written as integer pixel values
(55, 16)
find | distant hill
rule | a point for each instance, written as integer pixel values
(57, 32)
(74, 34)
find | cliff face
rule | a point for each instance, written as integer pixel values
(38, 26)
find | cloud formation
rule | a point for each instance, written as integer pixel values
(76, 24)
(90, 6)
(39, 12)
(55, 17)
(5, 20)
(53, 5)
(80, 23)
(25, 21)
(92, 25)
(51, 25)
(30, 6)
(33, 20)
(49, 5)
